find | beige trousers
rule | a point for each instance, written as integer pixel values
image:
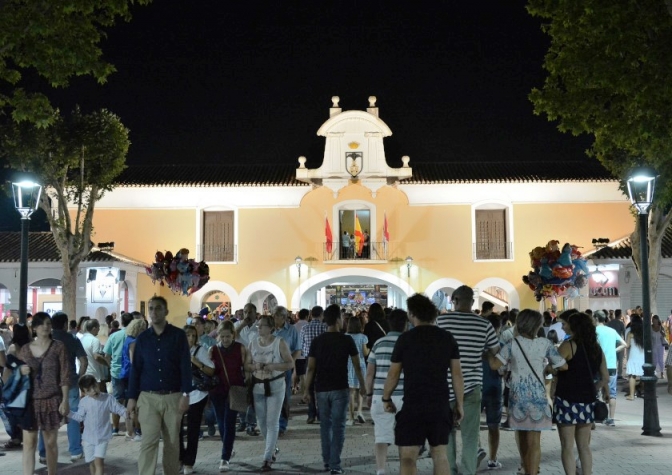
(159, 415)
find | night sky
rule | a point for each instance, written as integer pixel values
(222, 82)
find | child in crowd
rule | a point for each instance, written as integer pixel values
(94, 410)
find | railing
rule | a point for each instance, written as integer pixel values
(492, 250)
(375, 251)
(217, 253)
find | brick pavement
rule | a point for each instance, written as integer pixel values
(616, 450)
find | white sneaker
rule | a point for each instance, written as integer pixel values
(349, 422)
(188, 470)
(224, 466)
(137, 438)
(74, 458)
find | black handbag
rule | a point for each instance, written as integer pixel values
(202, 381)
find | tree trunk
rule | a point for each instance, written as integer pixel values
(658, 223)
(69, 292)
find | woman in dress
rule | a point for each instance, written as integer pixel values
(529, 412)
(200, 361)
(635, 341)
(355, 331)
(658, 341)
(133, 329)
(267, 359)
(20, 336)
(229, 354)
(46, 362)
(575, 394)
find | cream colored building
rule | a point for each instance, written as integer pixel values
(460, 223)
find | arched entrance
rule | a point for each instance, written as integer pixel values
(264, 295)
(499, 291)
(217, 301)
(314, 290)
(198, 298)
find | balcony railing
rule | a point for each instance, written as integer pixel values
(492, 250)
(217, 253)
(375, 251)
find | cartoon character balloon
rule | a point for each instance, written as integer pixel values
(182, 275)
(556, 271)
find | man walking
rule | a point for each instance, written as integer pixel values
(618, 325)
(288, 333)
(113, 349)
(74, 352)
(612, 344)
(159, 387)
(474, 335)
(328, 368)
(425, 354)
(246, 331)
(309, 332)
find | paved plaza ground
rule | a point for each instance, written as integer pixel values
(616, 450)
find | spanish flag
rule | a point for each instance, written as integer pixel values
(359, 237)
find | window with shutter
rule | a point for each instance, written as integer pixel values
(218, 236)
(491, 240)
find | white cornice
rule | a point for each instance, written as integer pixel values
(518, 193)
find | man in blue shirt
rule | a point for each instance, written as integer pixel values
(112, 350)
(159, 387)
(287, 332)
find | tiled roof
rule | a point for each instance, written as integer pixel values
(427, 173)
(42, 248)
(622, 249)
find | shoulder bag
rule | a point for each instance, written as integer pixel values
(533, 371)
(202, 381)
(237, 394)
(600, 408)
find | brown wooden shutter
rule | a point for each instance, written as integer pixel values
(218, 236)
(491, 234)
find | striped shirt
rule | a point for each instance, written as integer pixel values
(309, 332)
(474, 336)
(380, 357)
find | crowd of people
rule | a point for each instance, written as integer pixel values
(420, 373)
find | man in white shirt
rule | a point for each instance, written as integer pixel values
(611, 343)
(94, 354)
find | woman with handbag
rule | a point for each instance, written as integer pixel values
(529, 411)
(46, 362)
(268, 358)
(576, 392)
(228, 357)
(198, 398)
(137, 326)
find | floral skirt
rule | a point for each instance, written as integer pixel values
(43, 414)
(565, 412)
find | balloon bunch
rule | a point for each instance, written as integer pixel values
(182, 275)
(556, 272)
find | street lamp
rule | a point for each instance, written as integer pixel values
(409, 264)
(298, 261)
(26, 200)
(641, 182)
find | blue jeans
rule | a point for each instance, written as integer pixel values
(226, 423)
(333, 407)
(284, 415)
(268, 418)
(74, 436)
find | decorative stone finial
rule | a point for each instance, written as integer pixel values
(372, 101)
(334, 100)
(302, 162)
(405, 159)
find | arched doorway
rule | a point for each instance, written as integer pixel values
(217, 301)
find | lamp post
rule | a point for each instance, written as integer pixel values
(641, 183)
(409, 264)
(26, 199)
(298, 261)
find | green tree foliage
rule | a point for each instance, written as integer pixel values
(76, 160)
(610, 76)
(57, 39)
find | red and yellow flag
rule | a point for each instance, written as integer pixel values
(327, 234)
(359, 237)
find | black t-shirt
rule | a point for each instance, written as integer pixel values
(617, 325)
(331, 351)
(425, 353)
